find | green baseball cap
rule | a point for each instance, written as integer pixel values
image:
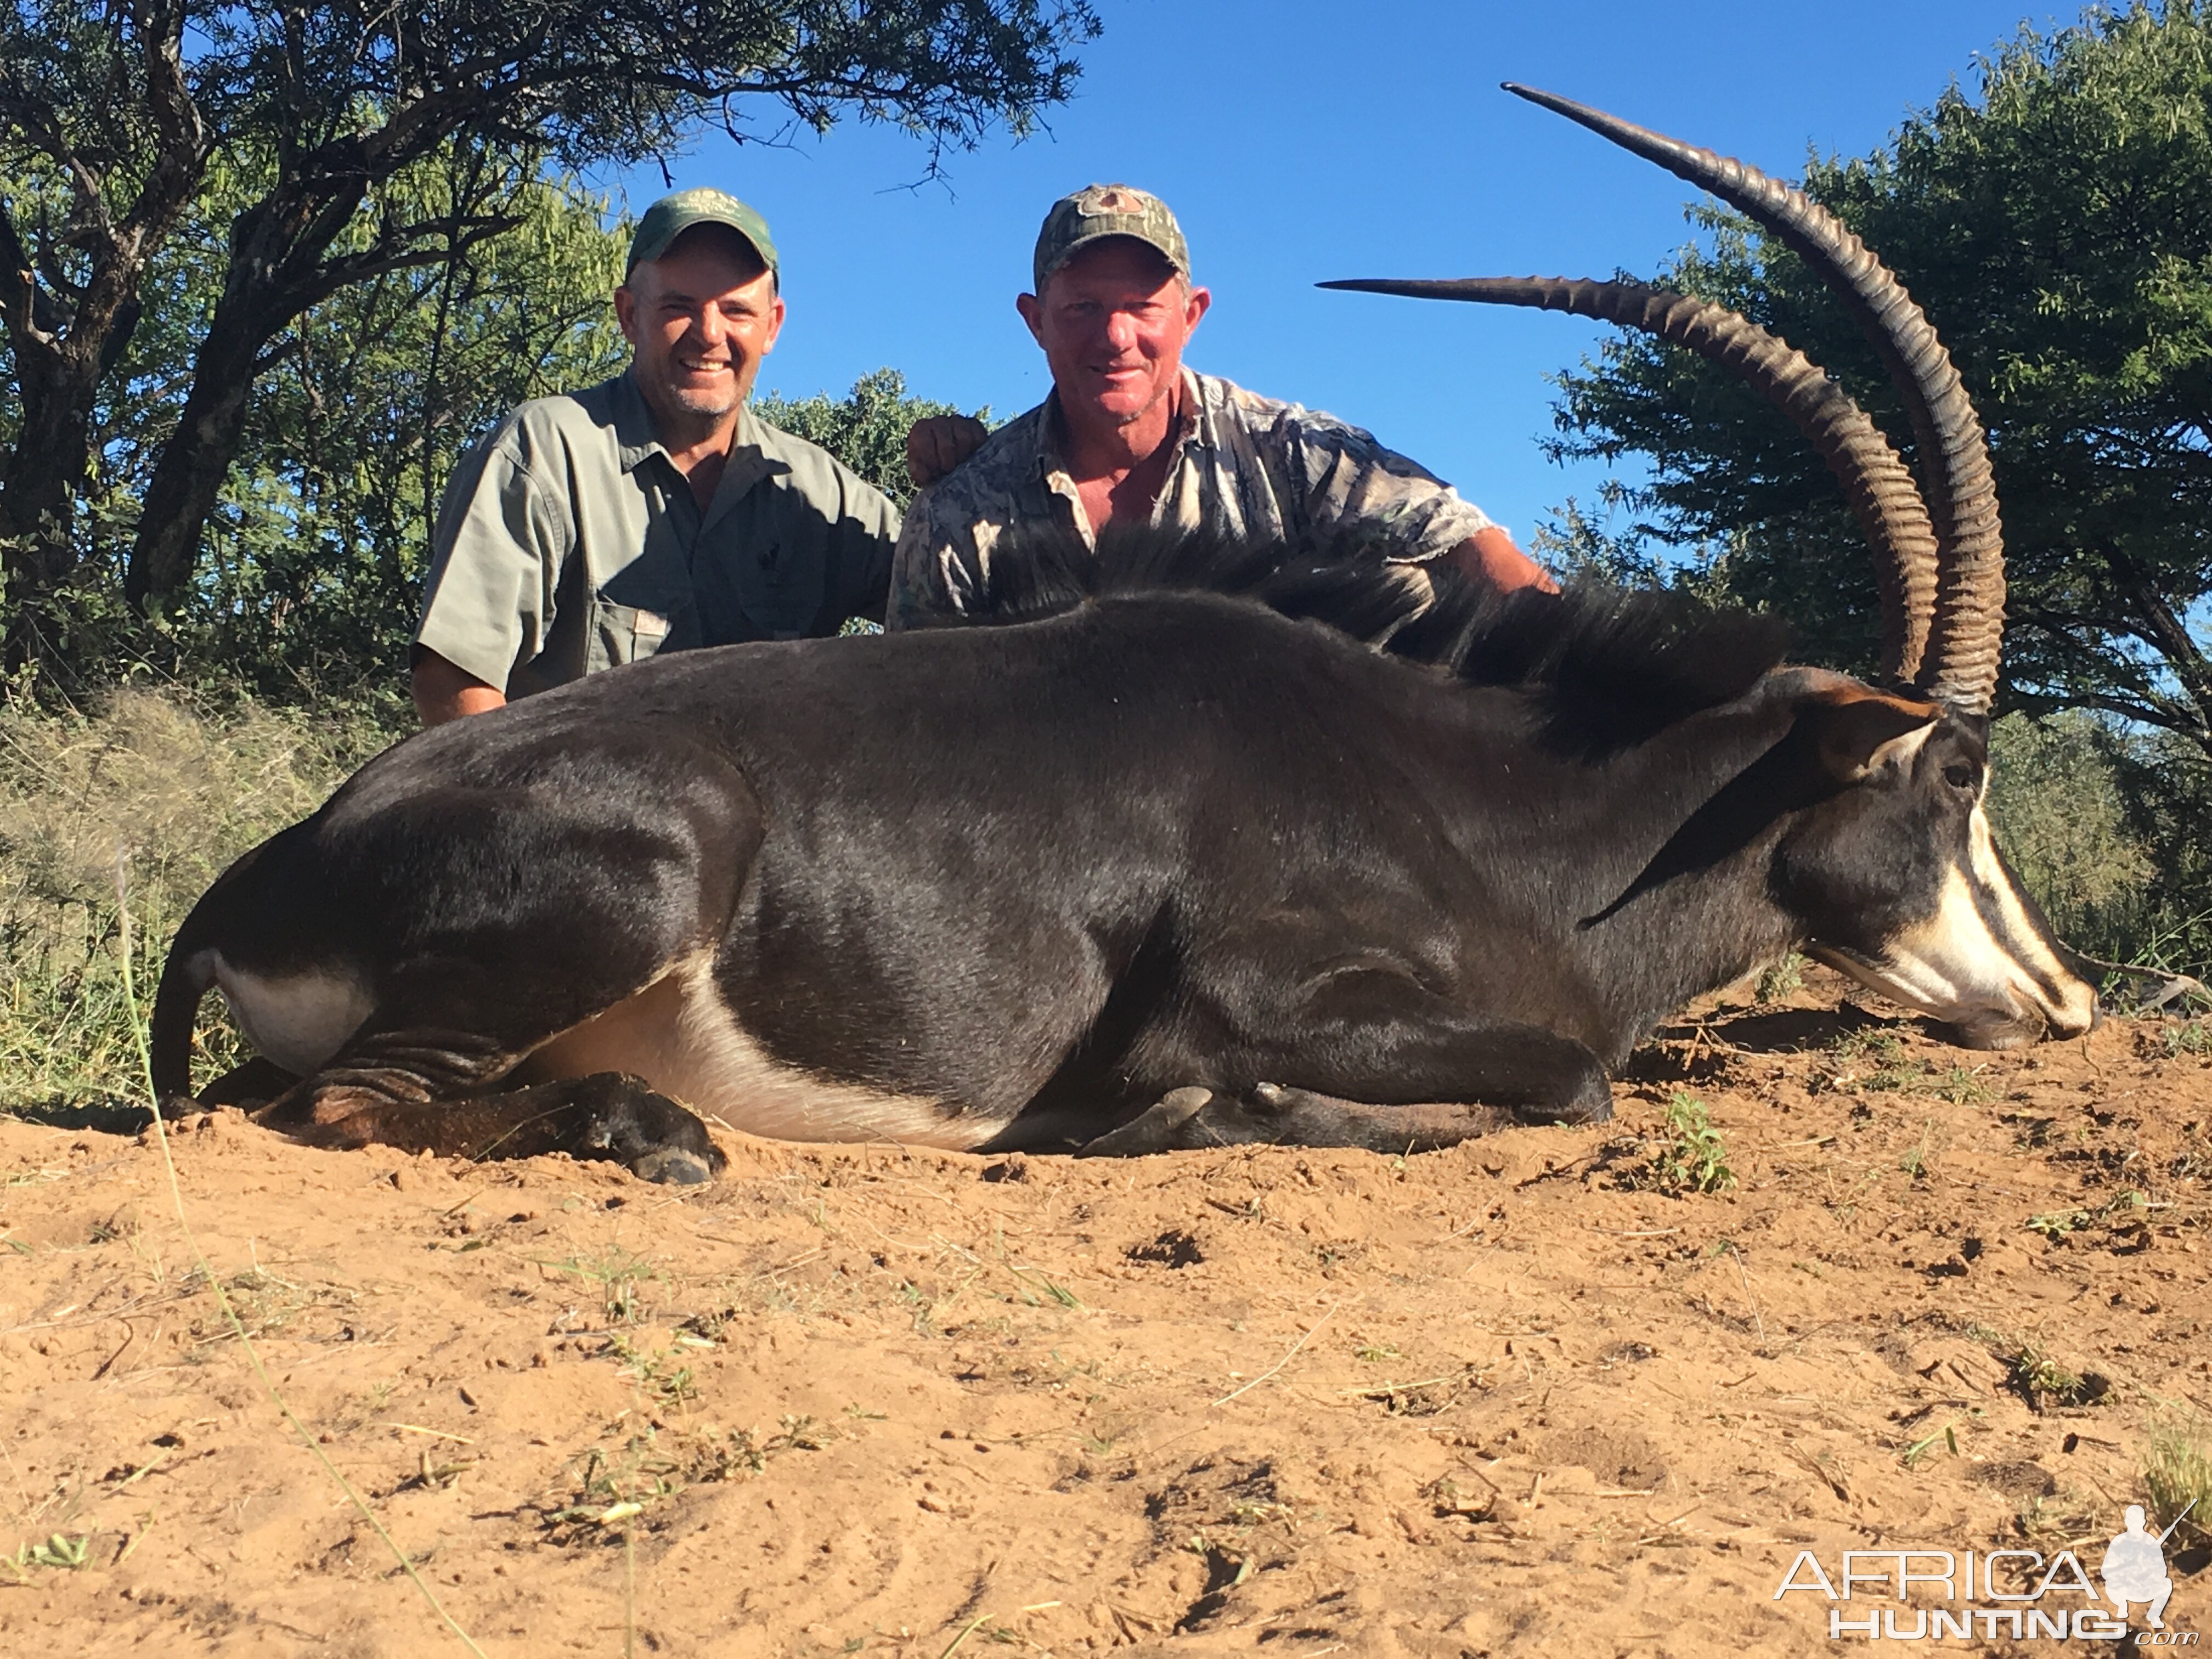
(1098, 211)
(671, 215)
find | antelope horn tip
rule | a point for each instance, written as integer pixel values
(1415, 287)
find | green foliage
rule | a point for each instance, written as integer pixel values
(2055, 802)
(2177, 1474)
(1692, 1159)
(1785, 978)
(1869, 1061)
(2042, 1382)
(2106, 827)
(59, 1550)
(865, 429)
(2058, 230)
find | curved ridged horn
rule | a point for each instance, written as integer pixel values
(1961, 663)
(1875, 480)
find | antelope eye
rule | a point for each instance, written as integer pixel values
(1959, 776)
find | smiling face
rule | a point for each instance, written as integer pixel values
(1113, 322)
(700, 318)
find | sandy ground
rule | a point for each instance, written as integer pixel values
(1511, 1397)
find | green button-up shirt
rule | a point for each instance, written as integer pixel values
(569, 542)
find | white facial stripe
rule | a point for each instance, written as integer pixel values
(2075, 1001)
(680, 1037)
(1980, 957)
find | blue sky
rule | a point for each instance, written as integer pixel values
(1300, 140)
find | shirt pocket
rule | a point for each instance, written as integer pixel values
(630, 633)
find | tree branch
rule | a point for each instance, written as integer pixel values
(19, 290)
(2169, 633)
(42, 126)
(458, 232)
(182, 152)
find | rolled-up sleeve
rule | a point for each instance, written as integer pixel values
(930, 582)
(495, 562)
(1353, 481)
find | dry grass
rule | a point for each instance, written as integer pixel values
(2177, 1474)
(176, 792)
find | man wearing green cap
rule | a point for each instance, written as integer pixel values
(1130, 436)
(655, 512)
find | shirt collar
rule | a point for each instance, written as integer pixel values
(750, 445)
(1189, 426)
(634, 438)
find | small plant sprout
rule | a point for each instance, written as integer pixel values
(60, 1552)
(1784, 978)
(2190, 1037)
(1692, 1158)
(1947, 1436)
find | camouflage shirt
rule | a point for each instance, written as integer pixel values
(1245, 466)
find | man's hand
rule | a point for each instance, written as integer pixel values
(1489, 555)
(444, 691)
(938, 443)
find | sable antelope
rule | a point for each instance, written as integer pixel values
(1335, 854)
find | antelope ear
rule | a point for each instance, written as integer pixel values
(1861, 731)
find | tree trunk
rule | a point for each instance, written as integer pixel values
(189, 476)
(276, 273)
(38, 495)
(65, 338)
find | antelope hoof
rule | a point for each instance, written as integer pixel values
(1153, 1130)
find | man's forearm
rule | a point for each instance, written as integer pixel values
(1489, 555)
(444, 691)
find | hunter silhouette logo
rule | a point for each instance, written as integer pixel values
(2133, 1569)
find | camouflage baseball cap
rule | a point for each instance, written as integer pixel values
(1103, 210)
(671, 215)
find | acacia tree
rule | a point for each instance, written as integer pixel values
(2058, 229)
(109, 121)
(103, 142)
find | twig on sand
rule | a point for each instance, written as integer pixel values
(1748, 1296)
(1285, 1359)
(966, 1630)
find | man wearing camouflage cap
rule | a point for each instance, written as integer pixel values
(654, 512)
(1130, 436)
